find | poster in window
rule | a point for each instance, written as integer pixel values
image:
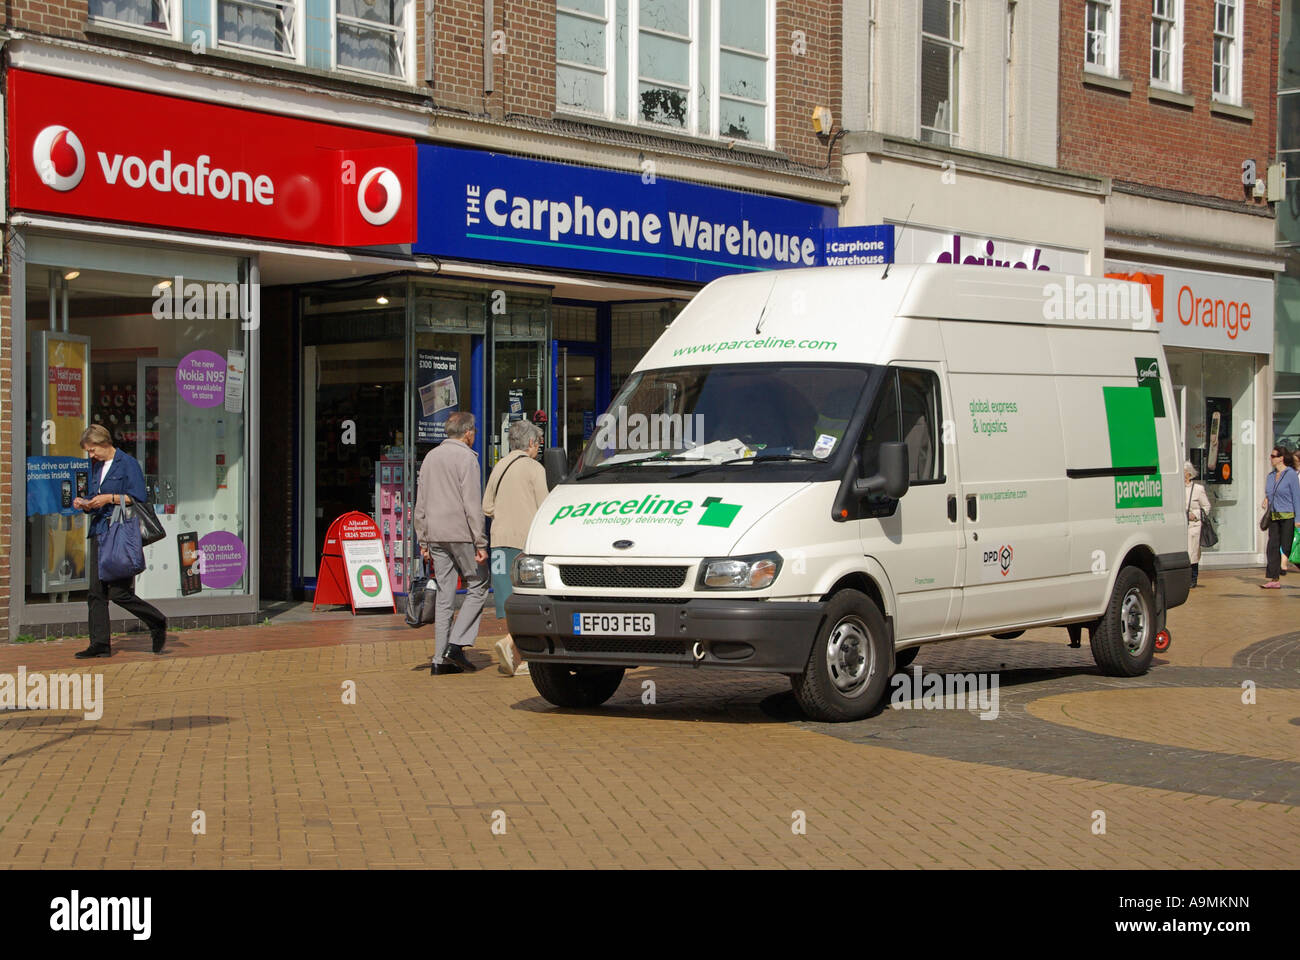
(1218, 462)
(437, 385)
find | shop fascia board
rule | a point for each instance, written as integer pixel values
(154, 74)
(874, 144)
(1138, 225)
(1160, 249)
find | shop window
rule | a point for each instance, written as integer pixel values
(1101, 36)
(266, 26)
(1227, 51)
(155, 346)
(634, 327)
(574, 323)
(703, 67)
(155, 16)
(1167, 44)
(940, 70)
(372, 36)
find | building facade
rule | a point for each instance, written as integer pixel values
(274, 243)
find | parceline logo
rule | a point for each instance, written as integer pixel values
(59, 158)
(379, 195)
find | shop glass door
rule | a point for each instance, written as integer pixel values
(520, 368)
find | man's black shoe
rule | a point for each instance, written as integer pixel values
(438, 669)
(159, 639)
(456, 654)
(91, 652)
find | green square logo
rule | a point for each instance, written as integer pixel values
(717, 513)
(1148, 371)
(1131, 426)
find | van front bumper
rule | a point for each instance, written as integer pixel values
(768, 636)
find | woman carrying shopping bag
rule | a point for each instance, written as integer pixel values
(1281, 495)
(115, 480)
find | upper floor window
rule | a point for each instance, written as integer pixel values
(371, 36)
(153, 15)
(700, 66)
(940, 70)
(1101, 36)
(1167, 43)
(267, 26)
(1227, 51)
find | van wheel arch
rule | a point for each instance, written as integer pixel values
(863, 583)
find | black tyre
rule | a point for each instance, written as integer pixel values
(567, 685)
(1124, 639)
(903, 658)
(849, 665)
(1008, 635)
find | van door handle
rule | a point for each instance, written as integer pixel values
(952, 507)
(972, 511)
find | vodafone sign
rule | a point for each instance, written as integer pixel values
(88, 150)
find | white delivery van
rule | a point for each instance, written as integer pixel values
(813, 472)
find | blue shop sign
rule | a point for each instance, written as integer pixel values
(486, 206)
(858, 246)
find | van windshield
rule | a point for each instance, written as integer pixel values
(744, 415)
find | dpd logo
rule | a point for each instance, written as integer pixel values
(379, 195)
(996, 562)
(59, 158)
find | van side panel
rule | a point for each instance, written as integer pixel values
(1111, 419)
(1012, 463)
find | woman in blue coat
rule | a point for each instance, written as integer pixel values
(115, 477)
(1281, 499)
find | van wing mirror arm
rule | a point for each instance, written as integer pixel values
(893, 477)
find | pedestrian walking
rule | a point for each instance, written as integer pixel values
(115, 478)
(1197, 501)
(1281, 495)
(449, 523)
(514, 491)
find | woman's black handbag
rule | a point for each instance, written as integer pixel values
(1209, 537)
(151, 529)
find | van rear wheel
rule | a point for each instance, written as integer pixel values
(1124, 639)
(850, 661)
(568, 685)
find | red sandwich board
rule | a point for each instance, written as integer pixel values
(333, 585)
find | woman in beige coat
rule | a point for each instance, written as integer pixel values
(515, 489)
(1195, 497)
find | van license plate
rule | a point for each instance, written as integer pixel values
(621, 624)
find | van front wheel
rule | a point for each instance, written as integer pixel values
(575, 686)
(850, 661)
(1124, 640)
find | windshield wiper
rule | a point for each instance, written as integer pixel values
(649, 457)
(770, 458)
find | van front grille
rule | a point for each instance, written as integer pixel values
(638, 577)
(633, 645)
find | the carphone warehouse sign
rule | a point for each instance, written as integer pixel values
(485, 206)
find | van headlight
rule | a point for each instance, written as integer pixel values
(527, 571)
(739, 573)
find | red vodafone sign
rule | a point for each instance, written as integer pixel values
(90, 150)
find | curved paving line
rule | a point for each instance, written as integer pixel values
(1019, 740)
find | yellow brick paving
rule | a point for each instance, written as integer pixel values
(417, 772)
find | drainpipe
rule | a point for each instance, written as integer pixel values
(489, 17)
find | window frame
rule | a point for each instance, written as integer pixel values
(298, 47)
(407, 47)
(608, 72)
(696, 125)
(1233, 95)
(175, 16)
(1111, 49)
(893, 380)
(1174, 20)
(955, 50)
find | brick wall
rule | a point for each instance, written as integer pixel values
(1131, 137)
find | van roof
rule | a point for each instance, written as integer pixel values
(831, 314)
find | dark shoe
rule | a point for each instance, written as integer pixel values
(456, 654)
(92, 652)
(439, 669)
(159, 639)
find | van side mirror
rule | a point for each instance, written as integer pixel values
(556, 462)
(894, 475)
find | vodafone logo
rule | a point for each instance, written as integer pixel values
(59, 158)
(379, 195)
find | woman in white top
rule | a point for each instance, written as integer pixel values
(1196, 499)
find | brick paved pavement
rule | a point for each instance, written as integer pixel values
(248, 726)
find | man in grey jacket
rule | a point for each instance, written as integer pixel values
(449, 523)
